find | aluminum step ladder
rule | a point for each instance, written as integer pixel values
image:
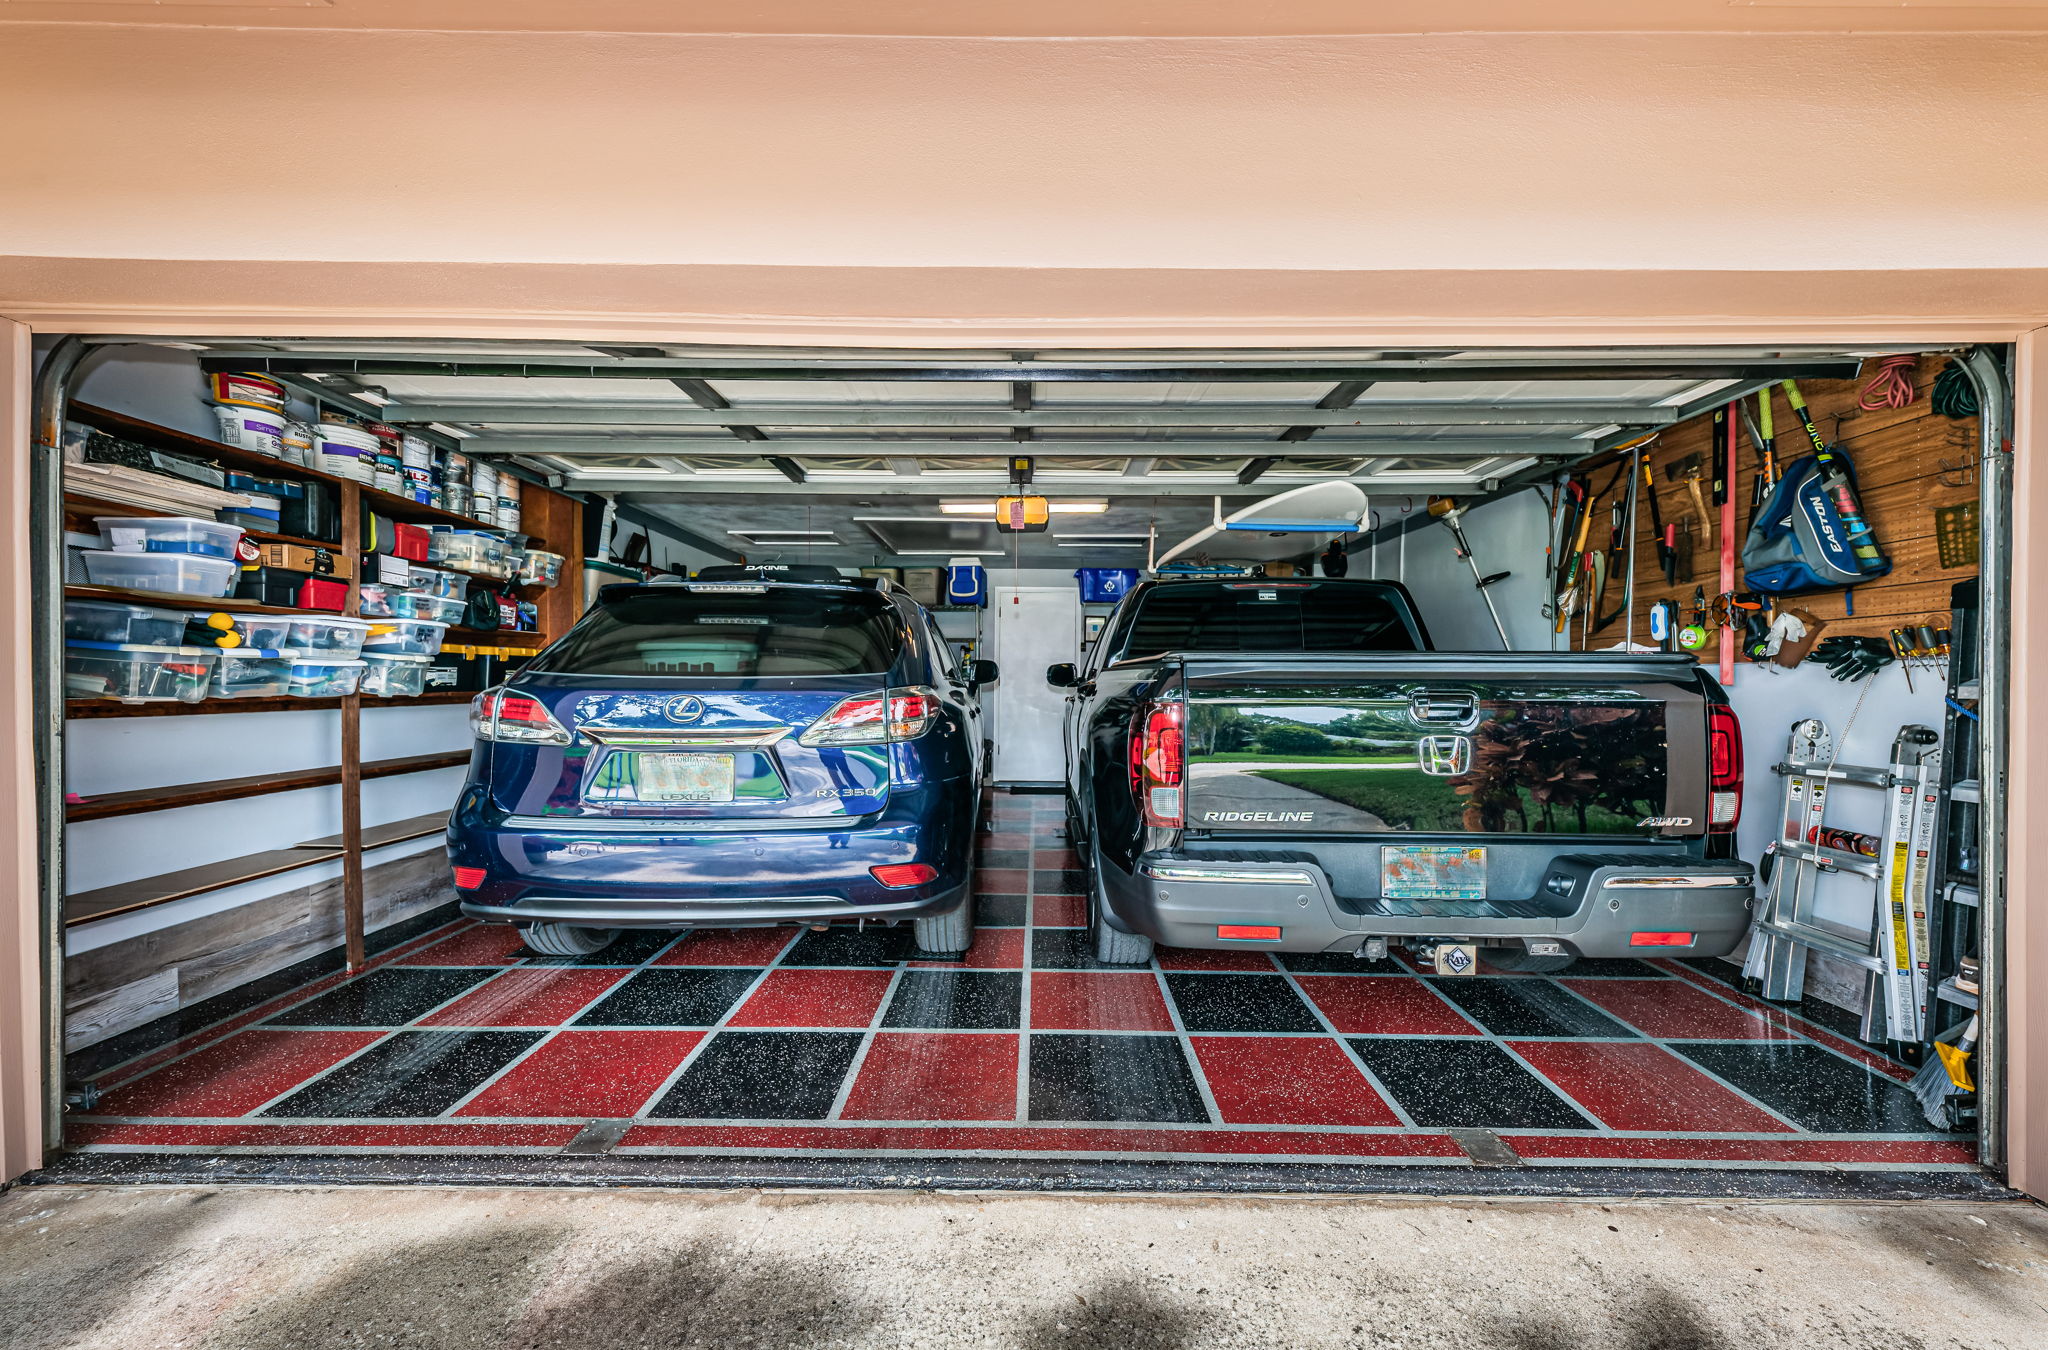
(1895, 953)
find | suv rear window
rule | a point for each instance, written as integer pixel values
(672, 631)
(1269, 616)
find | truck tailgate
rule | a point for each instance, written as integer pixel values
(1449, 744)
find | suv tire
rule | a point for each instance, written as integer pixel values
(1113, 946)
(946, 934)
(566, 939)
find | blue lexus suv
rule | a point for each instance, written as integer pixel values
(761, 744)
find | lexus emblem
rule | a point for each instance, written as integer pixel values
(684, 709)
(1445, 756)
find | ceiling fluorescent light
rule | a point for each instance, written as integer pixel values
(1069, 541)
(780, 534)
(989, 508)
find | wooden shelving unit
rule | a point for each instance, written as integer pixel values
(551, 520)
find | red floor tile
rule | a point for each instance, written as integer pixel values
(234, 1076)
(528, 996)
(815, 998)
(934, 1076)
(1674, 1010)
(1194, 958)
(1059, 911)
(1386, 1005)
(1007, 839)
(1632, 1085)
(1785, 1018)
(993, 949)
(1002, 881)
(728, 947)
(1097, 1001)
(591, 1074)
(484, 944)
(1288, 1080)
(1054, 859)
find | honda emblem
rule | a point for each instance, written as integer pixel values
(1445, 756)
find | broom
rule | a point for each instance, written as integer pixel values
(1947, 1073)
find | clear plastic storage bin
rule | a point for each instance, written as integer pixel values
(322, 679)
(170, 573)
(373, 600)
(408, 637)
(271, 631)
(538, 567)
(420, 605)
(465, 550)
(329, 639)
(394, 674)
(137, 673)
(168, 534)
(111, 621)
(251, 672)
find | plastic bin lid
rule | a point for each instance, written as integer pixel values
(164, 520)
(140, 647)
(253, 653)
(300, 660)
(410, 658)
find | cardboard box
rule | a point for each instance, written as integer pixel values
(324, 562)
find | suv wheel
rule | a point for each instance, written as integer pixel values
(565, 939)
(948, 934)
(1113, 946)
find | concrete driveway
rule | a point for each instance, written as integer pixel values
(266, 1268)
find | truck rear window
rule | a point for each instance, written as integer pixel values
(672, 631)
(1283, 616)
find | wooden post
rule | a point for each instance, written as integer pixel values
(352, 747)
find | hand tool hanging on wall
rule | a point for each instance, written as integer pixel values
(1622, 545)
(1569, 583)
(1694, 635)
(1722, 467)
(1664, 624)
(1450, 512)
(1664, 536)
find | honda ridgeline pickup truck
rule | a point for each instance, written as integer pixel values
(1287, 765)
(762, 744)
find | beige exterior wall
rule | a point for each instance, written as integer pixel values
(21, 1019)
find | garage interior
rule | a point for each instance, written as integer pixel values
(260, 951)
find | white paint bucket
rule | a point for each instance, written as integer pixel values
(258, 429)
(344, 451)
(247, 390)
(415, 452)
(298, 443)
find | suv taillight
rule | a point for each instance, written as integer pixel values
(1158, 762)
(875, 719)
(495, 715)
(1724, 767)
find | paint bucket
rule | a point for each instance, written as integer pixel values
(419, 484)
(246, 390)
(246, 428)
(415, 453)
(344, 451)
(297, 443)
(508, 489)
(483, 480)
(385, 475)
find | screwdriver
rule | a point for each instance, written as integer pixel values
(1902, 647)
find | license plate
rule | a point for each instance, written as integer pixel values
(683, 778)
(1432, 872)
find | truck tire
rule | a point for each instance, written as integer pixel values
(1113, 946)
(946, 934)
(565, 939)
(1522, 962)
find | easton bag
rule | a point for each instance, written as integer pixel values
(1810, 534)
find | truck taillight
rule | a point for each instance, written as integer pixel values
(496, 715)
(1158, 762)
(875, 719)
(1724, 767)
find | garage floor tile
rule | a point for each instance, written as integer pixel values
(785, 1040)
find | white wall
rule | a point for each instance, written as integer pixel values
(1507, 535)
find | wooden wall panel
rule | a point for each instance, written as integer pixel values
(1908, 462)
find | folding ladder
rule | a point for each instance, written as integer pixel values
(1895, 953)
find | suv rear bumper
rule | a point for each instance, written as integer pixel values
(627, 911)
(1182, 901)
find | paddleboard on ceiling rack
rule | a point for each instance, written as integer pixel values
(1296, 522)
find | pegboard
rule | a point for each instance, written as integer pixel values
(1909, 462)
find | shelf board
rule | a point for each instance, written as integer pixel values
(205, 604)
(395, 832)
(184, 442)
(142, 800)
(89, 709)
(76, 503)
(1947, 992)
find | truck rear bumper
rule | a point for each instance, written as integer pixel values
(1597, 908)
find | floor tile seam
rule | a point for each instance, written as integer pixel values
(1021, 1105)
(1819, 1036)
(1357, 1061)
(547, 1039)
(867, 1041)
(1509, 1051)
(1187, 1045)
(696, 1051)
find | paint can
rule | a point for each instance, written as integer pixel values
(345, 451)
(247, 428)
(246, 390)
(415, 452)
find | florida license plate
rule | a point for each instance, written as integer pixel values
(1432, 872)
(683, 778)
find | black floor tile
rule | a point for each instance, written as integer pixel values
(845, 945)
(1067, 949)
(1622, 966)
(410, 1073)
(389, 997)
(1471, 1084)
(1339, 963)
(965, 1000)
(1838, 1020)
(1819, 1090)
(1239, 1003)
(629, 948)
(999, 911)
(666, 996)
(763, 1075)
(1059, 881)
(1528, 1007)
(1004, 857)
(1138, 1078)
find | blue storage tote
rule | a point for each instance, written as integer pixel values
(1105, 585)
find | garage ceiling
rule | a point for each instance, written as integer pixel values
(850, 456)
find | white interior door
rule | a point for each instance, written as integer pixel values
(1035, 626)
